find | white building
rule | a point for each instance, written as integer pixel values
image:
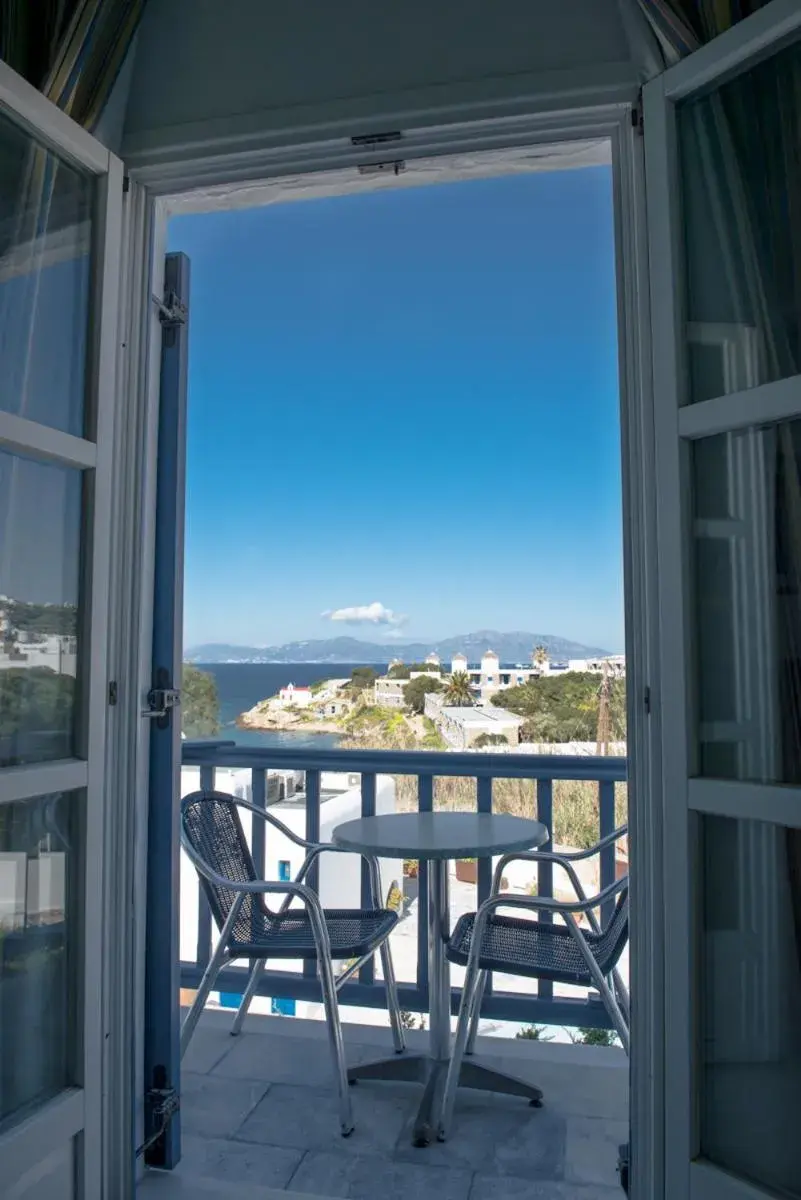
(295, 697)
(56, 652)
(462, 727)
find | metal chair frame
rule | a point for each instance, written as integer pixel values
(611, 989)
(295, 889)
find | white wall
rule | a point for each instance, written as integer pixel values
(207, 72)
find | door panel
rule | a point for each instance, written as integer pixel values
(60, 203)
(724, 177)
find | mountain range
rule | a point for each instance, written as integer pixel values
(513, 647)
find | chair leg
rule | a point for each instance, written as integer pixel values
(622, 996)
(334, 1025)
(216, 963)
(607, 995)
(393, 1004)
(471, 1041)
(467, 1009)
(250, 991)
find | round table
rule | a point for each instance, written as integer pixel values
(436, 838)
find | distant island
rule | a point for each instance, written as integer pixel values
(515, 647)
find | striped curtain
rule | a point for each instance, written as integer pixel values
(681, 26)
(71, 50)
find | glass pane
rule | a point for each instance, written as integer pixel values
(741, 197)
(750, 1072)
(747, 603)
(45, 268)
(40, 533)
(38, 870)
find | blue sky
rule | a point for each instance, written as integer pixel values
(406, 400)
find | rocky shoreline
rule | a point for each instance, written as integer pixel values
(284, 722)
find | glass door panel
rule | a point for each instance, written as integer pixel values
(724, 197)
(60, 204)
(742, 229)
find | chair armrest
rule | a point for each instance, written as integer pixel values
(268, 817)
(563, 859)
(315, 850)
(536, 856)
(548, 904)
(597, 847)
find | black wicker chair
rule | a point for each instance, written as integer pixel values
(562, 953)
(213, 838)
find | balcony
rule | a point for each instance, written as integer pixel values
(260, 1111)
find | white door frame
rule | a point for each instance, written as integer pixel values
(686, 798)
(331, 165)
(40, 1144)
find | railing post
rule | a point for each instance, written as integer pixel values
(258, 793)
(545, 869)
(203, 952)
(606, 804)
(312, 835)
(484, 805)
(425, 803)
(367, 972)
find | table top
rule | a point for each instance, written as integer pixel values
(439, 835)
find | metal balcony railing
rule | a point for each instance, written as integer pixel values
(542, 1007)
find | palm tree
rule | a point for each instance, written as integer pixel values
(458, 690)
(540, 656)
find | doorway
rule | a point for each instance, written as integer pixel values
(289, 489)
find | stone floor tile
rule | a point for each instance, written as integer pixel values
(496, 1134)
(591, 1150)
(574, 1090)
(212, 1107)
(208, 1046)
(239, 1162)
(307, 1118)
(366, 1177)
(507, 1187)
(532, 1147)
(286, 1060)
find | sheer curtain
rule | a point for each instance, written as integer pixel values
(681, 26)
(747, 141)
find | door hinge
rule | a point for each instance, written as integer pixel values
(374, 141)
(393, 167)
(646, 699)
(371, 140)
(162, 1104)
(172, 310)
(112, 692)
(126, 184)
(637, 119)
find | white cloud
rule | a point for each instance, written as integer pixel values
(366, 614)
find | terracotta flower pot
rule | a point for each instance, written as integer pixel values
(467, 870)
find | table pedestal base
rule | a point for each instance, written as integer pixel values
(417, 1068)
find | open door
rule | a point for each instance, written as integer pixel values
(723, 172)
(60, 206)
(162, 1147)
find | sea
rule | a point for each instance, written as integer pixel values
(241, 685)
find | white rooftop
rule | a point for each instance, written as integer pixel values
(481, 716)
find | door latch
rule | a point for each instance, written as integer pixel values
(160, 703)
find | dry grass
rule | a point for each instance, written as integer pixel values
(576, 820)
